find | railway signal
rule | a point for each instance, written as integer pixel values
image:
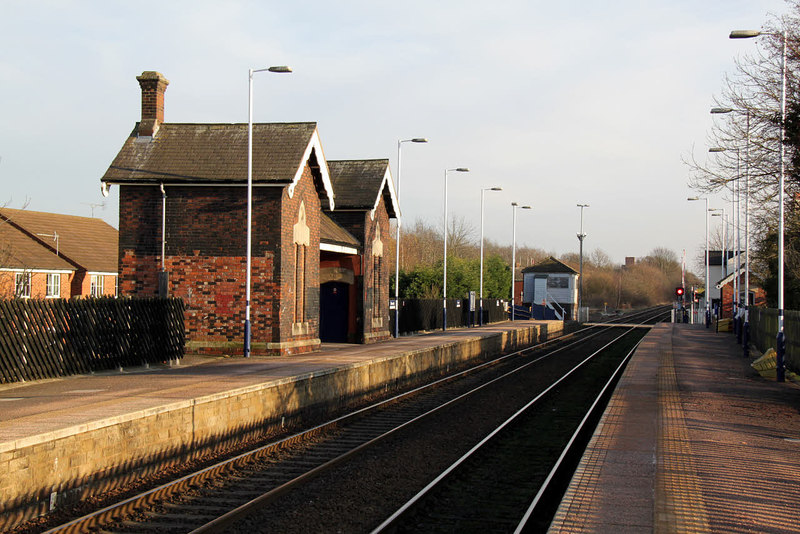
(679, 291)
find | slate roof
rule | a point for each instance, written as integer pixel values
(550, 265)
(359, 184)
(18, 251)
(214, 153)
(83, 242)
(333, 234)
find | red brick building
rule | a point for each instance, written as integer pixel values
(49, 255)
(183, 224)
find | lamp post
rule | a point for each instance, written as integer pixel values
(724, 258)
(397, 241)
(581, 235)
(743, 333)
(444, 288)
(480, 291)
(278, 69)
(737, 187)
(780, 348)
(708, 310)
(514, 207)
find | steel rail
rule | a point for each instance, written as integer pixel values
(115, 511)
(391, 520)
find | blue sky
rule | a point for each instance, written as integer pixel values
(578, 102)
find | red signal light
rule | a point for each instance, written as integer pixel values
(679, 291)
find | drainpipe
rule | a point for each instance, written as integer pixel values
(163, 280)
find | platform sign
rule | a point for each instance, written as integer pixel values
(392, 304)
(472, 301)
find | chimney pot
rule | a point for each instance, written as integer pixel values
(153, 85)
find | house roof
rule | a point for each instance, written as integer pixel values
(217, 154)
(333, 234)
(18, 251)
(361, 183)
(83, 242)
(550, 265)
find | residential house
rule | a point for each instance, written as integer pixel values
(50, 255)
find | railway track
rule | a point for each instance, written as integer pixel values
(216, 499)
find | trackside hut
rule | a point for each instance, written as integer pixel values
(551, 283)
(183, 188)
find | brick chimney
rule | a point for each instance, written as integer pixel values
(153, 86)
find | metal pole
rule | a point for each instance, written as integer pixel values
(513, 253)
(397, 254)
(480, 285)
(781, 338)
(746, 325)
(581, 236)
(249, 210)
(444, 289)
(708, 309)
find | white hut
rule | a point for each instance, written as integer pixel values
(551, 284)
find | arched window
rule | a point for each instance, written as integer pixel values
(302, 239)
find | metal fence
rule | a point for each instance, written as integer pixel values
(764, 330)
(419, 315)
(56, 337)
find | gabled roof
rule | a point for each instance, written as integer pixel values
(217, 154)
(83, 242)
(359, 184)
(332, 234)
(19, 252)
(550, 265)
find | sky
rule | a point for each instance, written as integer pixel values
(558, 103)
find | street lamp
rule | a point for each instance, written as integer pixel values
(743, 331)
(514, 207)
(581, 235)
(724, 259)
(780, 348)
(480, 296)
(708, 310)
(397, 242)
(444, 288)
(278, 69)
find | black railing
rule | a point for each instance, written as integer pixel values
(420, 315)
(56, 337)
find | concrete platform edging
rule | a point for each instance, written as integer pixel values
(42, 471)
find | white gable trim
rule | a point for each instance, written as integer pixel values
(315, 145)
(387, 181)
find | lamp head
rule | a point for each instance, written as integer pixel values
(716, 149)
(526, 207)
(280, 69)
(744, 34)
(717, 111)
(496, 189)
(420, 140)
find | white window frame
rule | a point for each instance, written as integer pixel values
(53, 287)
(96, 288)
(22, 281)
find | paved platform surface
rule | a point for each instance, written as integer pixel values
(36, 411)
(694, 440)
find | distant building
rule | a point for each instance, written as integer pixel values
(630, 261)
(49, 255)
(553, 284)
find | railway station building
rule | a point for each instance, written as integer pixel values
(319, 231)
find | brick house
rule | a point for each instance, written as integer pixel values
(49, 255)
(183, 192)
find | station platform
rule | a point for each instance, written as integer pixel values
(69, 438)
(693, 440)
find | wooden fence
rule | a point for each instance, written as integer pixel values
(56, 337)
(764, 331)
